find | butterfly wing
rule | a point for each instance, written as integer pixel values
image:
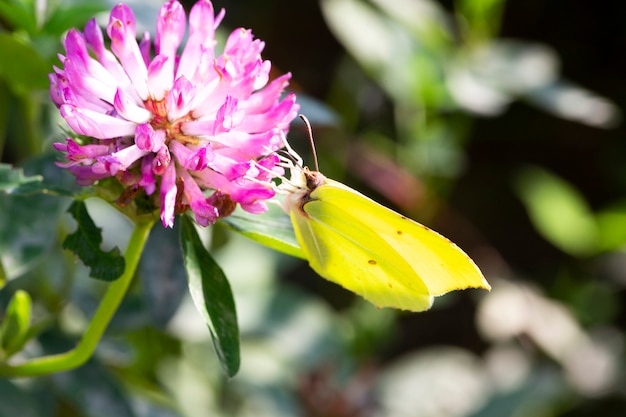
(437, 261)
(387, 258)
(344, 250)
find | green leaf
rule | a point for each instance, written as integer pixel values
(32, 204)
(3, 275)
(612, 227)
(85, 242)
(13, 182)
(21, 66)
(212, 296)
(20, 14)
(272, 229)
(29, 231)
(15, 325)
(378, 47)
(401, 52)
(483, 17)
(558, 211)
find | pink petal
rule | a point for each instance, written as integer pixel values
(168, 196)
(170, 28)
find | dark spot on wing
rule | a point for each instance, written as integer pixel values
(372, 262)
(399, 232)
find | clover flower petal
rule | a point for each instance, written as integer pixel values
(193, 126)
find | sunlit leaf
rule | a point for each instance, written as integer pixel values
(3, 275)
(85, 242)
(347, 16)
(426, 20)
(382, 48)
(404, 51)
(488, 77)
(482, 17)
(272, 229)
(558, 211)
(15, 324)
(212, 296)
(569, 101)
(612, 227)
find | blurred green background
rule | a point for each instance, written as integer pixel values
(498, 123)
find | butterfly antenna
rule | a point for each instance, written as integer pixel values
(308, 128)
(291, 154)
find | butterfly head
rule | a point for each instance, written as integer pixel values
(301, 181)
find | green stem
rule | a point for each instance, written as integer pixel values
(111, 301)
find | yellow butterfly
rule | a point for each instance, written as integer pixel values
(389, 259)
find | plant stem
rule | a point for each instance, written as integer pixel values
(111, 301)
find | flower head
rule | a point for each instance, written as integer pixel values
(193, 126)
